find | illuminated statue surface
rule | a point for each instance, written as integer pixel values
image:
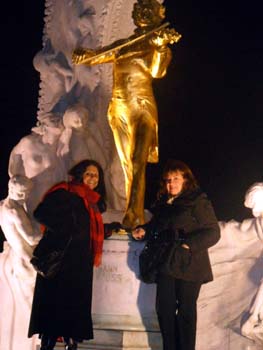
(132, 112)
(89, 23)
(14, 220)
(253, 327)
(56, 78)
(17, 277)
(35, 156)
(77, 141)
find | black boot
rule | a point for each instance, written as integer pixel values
(70, 344)
(48, 342)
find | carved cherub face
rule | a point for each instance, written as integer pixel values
(75, 119)
(85, 24)
(148, 13)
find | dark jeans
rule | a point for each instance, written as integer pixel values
(176, 310)
(48, 342)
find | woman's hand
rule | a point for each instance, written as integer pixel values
(138, 233)
(185, 246)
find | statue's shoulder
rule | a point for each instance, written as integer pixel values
(8, 213)
(28, 140)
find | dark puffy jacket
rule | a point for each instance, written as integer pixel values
(62, 305)
(190, 219)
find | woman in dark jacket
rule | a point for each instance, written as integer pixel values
(184, 216)
(62, 305)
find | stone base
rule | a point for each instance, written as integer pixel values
(123, 309)
(118, 339)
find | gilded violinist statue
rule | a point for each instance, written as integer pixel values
(132, 112)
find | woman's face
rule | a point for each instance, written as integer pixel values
(174, 182)
(91, 177)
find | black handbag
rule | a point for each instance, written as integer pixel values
(152, 258)
(48, 261)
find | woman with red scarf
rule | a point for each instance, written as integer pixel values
(62, 305)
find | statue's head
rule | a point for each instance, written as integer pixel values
(50, 128)
(76, 117)
(84, 22)
(254, 199)
(148, 13)
(19, 187)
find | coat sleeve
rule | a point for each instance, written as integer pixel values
(207, 233)
(55, 212)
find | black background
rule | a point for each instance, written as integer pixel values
(210, 102)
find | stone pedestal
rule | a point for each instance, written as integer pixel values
(123, 307)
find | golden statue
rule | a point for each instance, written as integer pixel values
(132, 112)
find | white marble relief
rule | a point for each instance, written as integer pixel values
(35, 156)
(17, 277)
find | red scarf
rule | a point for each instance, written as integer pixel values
(90, 199)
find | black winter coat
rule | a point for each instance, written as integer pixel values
(190, 219)
(62, 305)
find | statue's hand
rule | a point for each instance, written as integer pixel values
(164, 37)
(80, 55)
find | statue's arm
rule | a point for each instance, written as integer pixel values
(259, 227)
(15, 165)
(161, 58)
(162, 54)
(24, 227)
(100, 55)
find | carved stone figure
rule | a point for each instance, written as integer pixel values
(254, 199)
(132, 113)
(253, 327)
(77, 141)
(56, 79)
(15, 222)
(17, 226)
(17, 277)
(35, 156)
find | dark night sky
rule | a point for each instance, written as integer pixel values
(210, 102)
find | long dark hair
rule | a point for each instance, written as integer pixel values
(174, 165)
(79, 169)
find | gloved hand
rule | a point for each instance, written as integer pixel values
(112, 226)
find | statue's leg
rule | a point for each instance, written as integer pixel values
(144, 133)
(252, 325)
(123, 132)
